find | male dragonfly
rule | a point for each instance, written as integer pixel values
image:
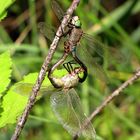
(80, 44)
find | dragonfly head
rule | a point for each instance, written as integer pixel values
(79, 71)
(75, 21)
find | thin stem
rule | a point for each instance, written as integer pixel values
(114, 94)
(44, 68)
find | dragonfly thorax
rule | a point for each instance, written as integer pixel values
(68, 81)
(75, 36)
(72, 79)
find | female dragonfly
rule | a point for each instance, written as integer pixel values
(65, 102)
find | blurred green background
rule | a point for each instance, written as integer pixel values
(115, 23)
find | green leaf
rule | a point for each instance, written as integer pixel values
(15, 100)
(3, 15)
(5, 71)
(12, 106)
(4, 4)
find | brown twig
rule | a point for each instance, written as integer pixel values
(117, 92)
(43, 70)
(108, 99)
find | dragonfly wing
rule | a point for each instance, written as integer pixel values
(87, 131)
(25, 89)
(92, 63)
(68, 109)
(94, 45)
(47, 30)
(57, 9)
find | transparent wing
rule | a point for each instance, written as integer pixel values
(47, 30)
(25, 89)
(68, 109)
(92, 52)
(92, 63)
(94, 45)
(57, 9)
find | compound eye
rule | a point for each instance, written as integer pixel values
(76, 21)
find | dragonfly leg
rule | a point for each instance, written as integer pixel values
(51, 70)
(82, 65)
(68, 66)
(72, 62)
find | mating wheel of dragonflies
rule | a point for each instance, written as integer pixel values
(65, 101)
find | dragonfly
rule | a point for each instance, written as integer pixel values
(65, 101)
(82, 46)
(68, 67)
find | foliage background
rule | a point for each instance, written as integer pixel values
(117, 24)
